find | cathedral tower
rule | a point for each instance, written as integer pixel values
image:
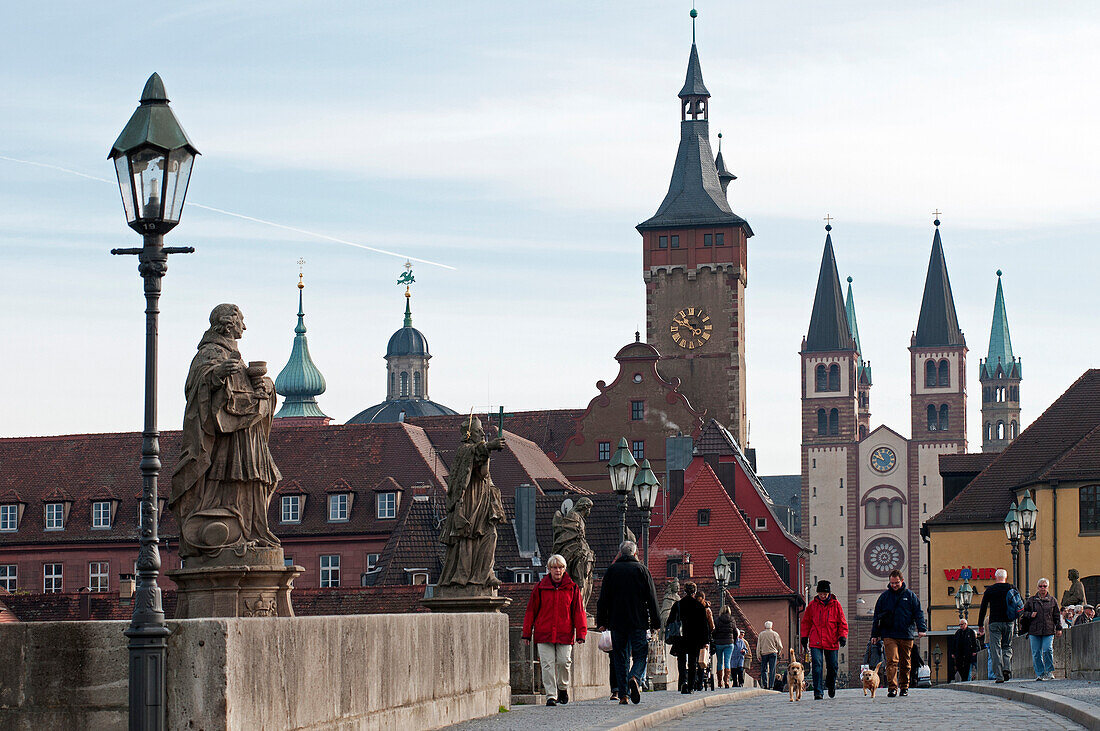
(863, 367)
(694, 267)
(1000, 375)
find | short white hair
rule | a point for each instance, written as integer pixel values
(1001, 574)
(1043, 581)
(556, 560)
(963, 620)
(628, 548)
(767, 625)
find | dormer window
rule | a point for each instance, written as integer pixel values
(338, 505)
(9, 517)
(101, 514)
(55, 516)
(387, 505)
(290, 509)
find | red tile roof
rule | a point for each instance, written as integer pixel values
(547, 429)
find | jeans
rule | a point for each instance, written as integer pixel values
(897, 654)
(628, 643)
(1042, 654)
(767, 670)
(1000, 647)
(826, 660)
(724, 655)
(556, 662)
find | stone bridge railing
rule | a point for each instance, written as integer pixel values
(1076, 655)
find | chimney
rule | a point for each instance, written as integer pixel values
(420, 492)
(524, 522)
(84, 599)
(125, 588)
(678, 455)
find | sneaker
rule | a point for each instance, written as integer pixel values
(563, 696)
(635, 691)
(1008, 675)
(614, 697)
(903, 692)
(623, 701)
(551, 701)
(1048, 676)
(999, 681)
(891, 693)
(818, 696)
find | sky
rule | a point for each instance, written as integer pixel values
(518, 145)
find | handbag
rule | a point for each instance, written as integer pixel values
(673, 631)
(605, 641)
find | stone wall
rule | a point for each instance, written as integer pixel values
(1076, 655)
(348, 672)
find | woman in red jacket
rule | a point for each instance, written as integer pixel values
(825, 631)
(555, 615)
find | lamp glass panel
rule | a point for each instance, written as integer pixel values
(148, 173)
(125, 186)
(179, 173)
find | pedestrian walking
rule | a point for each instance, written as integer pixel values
(628, 607)
(897, 622)
(1040, 620)
(555, 618)
(741, 656)
(824, 629)
(1001, 624)
(1088, 614)
(967, 648)
(694, 635)
(769, 645)
(723, 638)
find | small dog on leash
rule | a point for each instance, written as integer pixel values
(870, 679)
(796, 678)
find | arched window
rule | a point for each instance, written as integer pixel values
(416, 384)
(883, 512)
(404, 383)
(930, 373)
(1000, 430)
(1014, 393)
(1014, 429)
(822, 423)
(895, 512)
(933, 418)
(1089, 499)
(943, 417)
(862, 431)
(987, 430)
(821, 381)
(870, 513)
(834, 423)
(985, 395)
(945, 373)
(834, 377)
(393, 384)
(1000, 394)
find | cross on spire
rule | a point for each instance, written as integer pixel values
(828, 222)
(937, 213)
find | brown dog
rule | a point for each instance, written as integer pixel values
(796, 678)
(870, 679)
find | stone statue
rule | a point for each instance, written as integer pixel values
(223, 483)
(1075, 594)
(571, 542)
(474, 509)
(672, 595)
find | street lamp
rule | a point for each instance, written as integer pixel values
(622, 468)
(1012, 530)
(963, 597)
(645, 495)
(937, 656)
(1028, 514)
(153, 160)
(722, 576)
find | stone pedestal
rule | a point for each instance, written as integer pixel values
(468, 598)
(255, 584)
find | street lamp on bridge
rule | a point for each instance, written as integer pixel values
(622, 468)
(645, 495)
(963, 598)
(722, 576)
(1012, 530)
(153, 160)
(1029, 513)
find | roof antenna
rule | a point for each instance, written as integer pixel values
(694, 15)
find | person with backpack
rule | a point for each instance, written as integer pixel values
(1002, 618)
(1040, 619)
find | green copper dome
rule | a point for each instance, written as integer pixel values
(300, 381)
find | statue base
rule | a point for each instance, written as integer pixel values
(469, 598)
(253, 587)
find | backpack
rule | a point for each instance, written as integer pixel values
(1014, 603)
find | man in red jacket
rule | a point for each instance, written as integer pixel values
(555, 614)
(825, 630)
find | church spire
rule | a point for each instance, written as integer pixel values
(829, 320)
(1000, 342)
(300, 382)
(725, 177)
(938, 325)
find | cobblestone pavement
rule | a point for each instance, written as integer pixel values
(923, 708)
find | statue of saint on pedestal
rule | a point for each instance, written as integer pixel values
(672, 595)
(571, 542)
(474, 509)
(223, 483)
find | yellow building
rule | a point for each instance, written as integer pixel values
(1057, 461)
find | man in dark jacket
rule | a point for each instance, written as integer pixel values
(628, 607)
(898, 621)
(1001, 626)
(967, 648)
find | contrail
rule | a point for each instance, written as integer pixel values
(242, 216)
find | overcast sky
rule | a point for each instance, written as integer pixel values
(520, 144)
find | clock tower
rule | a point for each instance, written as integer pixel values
(694, 266)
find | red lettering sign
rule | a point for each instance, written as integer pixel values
(952, 574)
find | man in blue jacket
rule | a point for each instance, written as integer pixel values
(898, 621)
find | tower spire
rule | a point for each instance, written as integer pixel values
(300, 381)
(829, 318)
(938, 323)
(725, 177)
(1000, 342)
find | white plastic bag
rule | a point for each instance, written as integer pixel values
(605, 641)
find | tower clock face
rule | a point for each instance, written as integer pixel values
(691, 328)
(883, 460)
(883, 556)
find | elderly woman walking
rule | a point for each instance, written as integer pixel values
(555, 616)
(1041, 620)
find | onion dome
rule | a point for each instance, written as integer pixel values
(300, 381)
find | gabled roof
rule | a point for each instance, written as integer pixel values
(727, 531)
(1063, 444)
(938, 325)
(549, 429)
(829, 318)
(1000, 355)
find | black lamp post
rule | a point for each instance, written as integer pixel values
(622, 467)
(937, 656)
(645, 495)
(963, 598)
(1028, 515)
(1012, 530)
(722, 576)
(153, 159)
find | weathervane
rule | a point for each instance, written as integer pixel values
(301, 272)
(407, 278)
